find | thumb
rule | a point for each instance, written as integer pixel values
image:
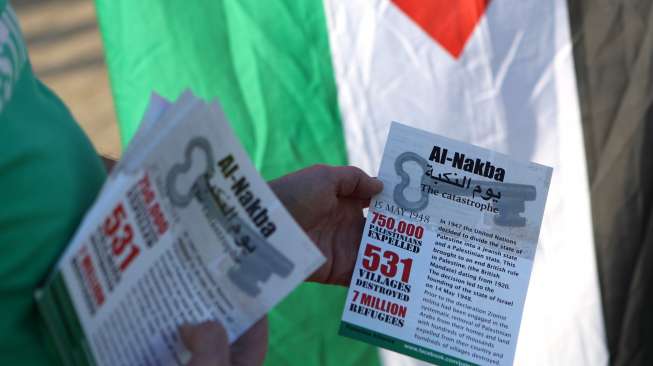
(352, 182)
(207, 342)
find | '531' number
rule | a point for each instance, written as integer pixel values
(121, 235)
(374, 256)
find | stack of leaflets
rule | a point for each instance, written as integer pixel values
(184, 230)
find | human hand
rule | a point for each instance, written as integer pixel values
(209, 345)
(327, 202)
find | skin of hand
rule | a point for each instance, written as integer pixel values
(209, 345)
(327, 202)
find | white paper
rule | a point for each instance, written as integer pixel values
(447, 251)
(184, 230)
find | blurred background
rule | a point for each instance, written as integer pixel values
(65, 48)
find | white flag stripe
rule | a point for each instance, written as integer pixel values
(512, 90)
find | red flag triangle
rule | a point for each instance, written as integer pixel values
(449, 22)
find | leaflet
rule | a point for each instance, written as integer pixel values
(447, 252)
(184, 230)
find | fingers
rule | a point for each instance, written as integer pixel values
(251, 347)
(207, 342)
(365, 203)
(347, 254)
(352, 182)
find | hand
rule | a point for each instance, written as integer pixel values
(209, 345)
(327, 202)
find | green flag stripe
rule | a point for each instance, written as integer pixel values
(270, 66)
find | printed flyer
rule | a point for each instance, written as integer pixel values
(447, 252)
(184, 230)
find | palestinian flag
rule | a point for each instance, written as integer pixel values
(563, 84)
